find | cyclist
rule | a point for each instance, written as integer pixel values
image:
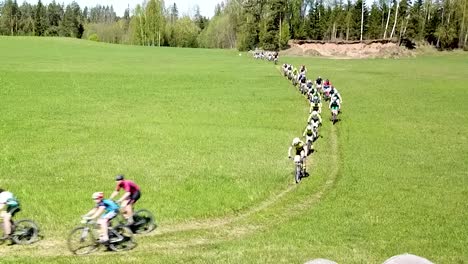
(12, 207)
(107, 210)
(309, 84)
(131, 196)
(315, 119)
(303, 70)
(337, 95)
(309, 135)
(299, 150)
(295, 72)
(318, 81)
(315, 104)
(335, 106)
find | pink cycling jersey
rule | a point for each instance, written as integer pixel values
(128, 186)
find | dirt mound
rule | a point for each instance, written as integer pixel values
(370, 49)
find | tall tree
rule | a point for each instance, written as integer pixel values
(40, 19)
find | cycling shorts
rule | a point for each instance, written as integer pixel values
(109, 215)
(134, 197)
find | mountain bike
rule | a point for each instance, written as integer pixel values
(299, 171)
(85, 240)
(23, 232)
(334, 116)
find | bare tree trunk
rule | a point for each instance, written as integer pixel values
(443, 12)
(466, 38)
(332, 36)
(362, 18)
(388, 20)
(403, 31)
(462, 25)
(396, 19)
(279, 40)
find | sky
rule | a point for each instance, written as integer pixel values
(186, 7)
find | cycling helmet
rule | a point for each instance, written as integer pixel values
(296, 141)
(98, 195)
(119, 177)
(314, 113)
(309, 127)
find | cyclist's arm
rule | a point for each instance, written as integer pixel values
(289, 151)
(125, 196)
(90, 212)
(305, 131)
(320, 118)
(98, 212)
(114, 194)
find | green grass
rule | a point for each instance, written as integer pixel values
(205, 134)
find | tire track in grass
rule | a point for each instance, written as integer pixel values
(234, 230)
(219, 229)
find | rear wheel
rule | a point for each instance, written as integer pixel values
(121, 239)
(143, 222)
(26, 232)
(81, 241)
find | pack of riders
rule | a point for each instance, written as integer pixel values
(314, 90)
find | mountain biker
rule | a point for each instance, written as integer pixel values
(309, 135)
(315, 104)
(315, 119)
(299, 150)
(295, 72)
(326, 83)
(337, 95)
(131, 196)
(303, 69)
(107, 210)
(309, 84)
(335, 106)
(12, 207)
(318, 81)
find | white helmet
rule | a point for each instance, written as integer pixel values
(98, 195)
(296, 141)
(314, 113)
(309, 127)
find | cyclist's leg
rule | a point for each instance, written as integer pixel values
(133, 199)
(303, 157)
(125, 206)
(104, 225)
(6, 215)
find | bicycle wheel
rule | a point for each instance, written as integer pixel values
(143, 222)
(121, 238)
(25, 232)
(298, 173)
(81, 241)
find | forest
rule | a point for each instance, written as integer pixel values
(245, 25)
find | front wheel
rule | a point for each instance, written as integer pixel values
(298, 173)
(143, 222)
(26, 232)
(81, 241)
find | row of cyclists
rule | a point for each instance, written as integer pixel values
(268, 55)
(103, 211)
(314, 91)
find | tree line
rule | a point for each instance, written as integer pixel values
(245, 24)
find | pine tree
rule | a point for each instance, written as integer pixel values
(40, 19)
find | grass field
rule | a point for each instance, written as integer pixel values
(205, 133)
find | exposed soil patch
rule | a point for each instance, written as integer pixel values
(351, 50)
